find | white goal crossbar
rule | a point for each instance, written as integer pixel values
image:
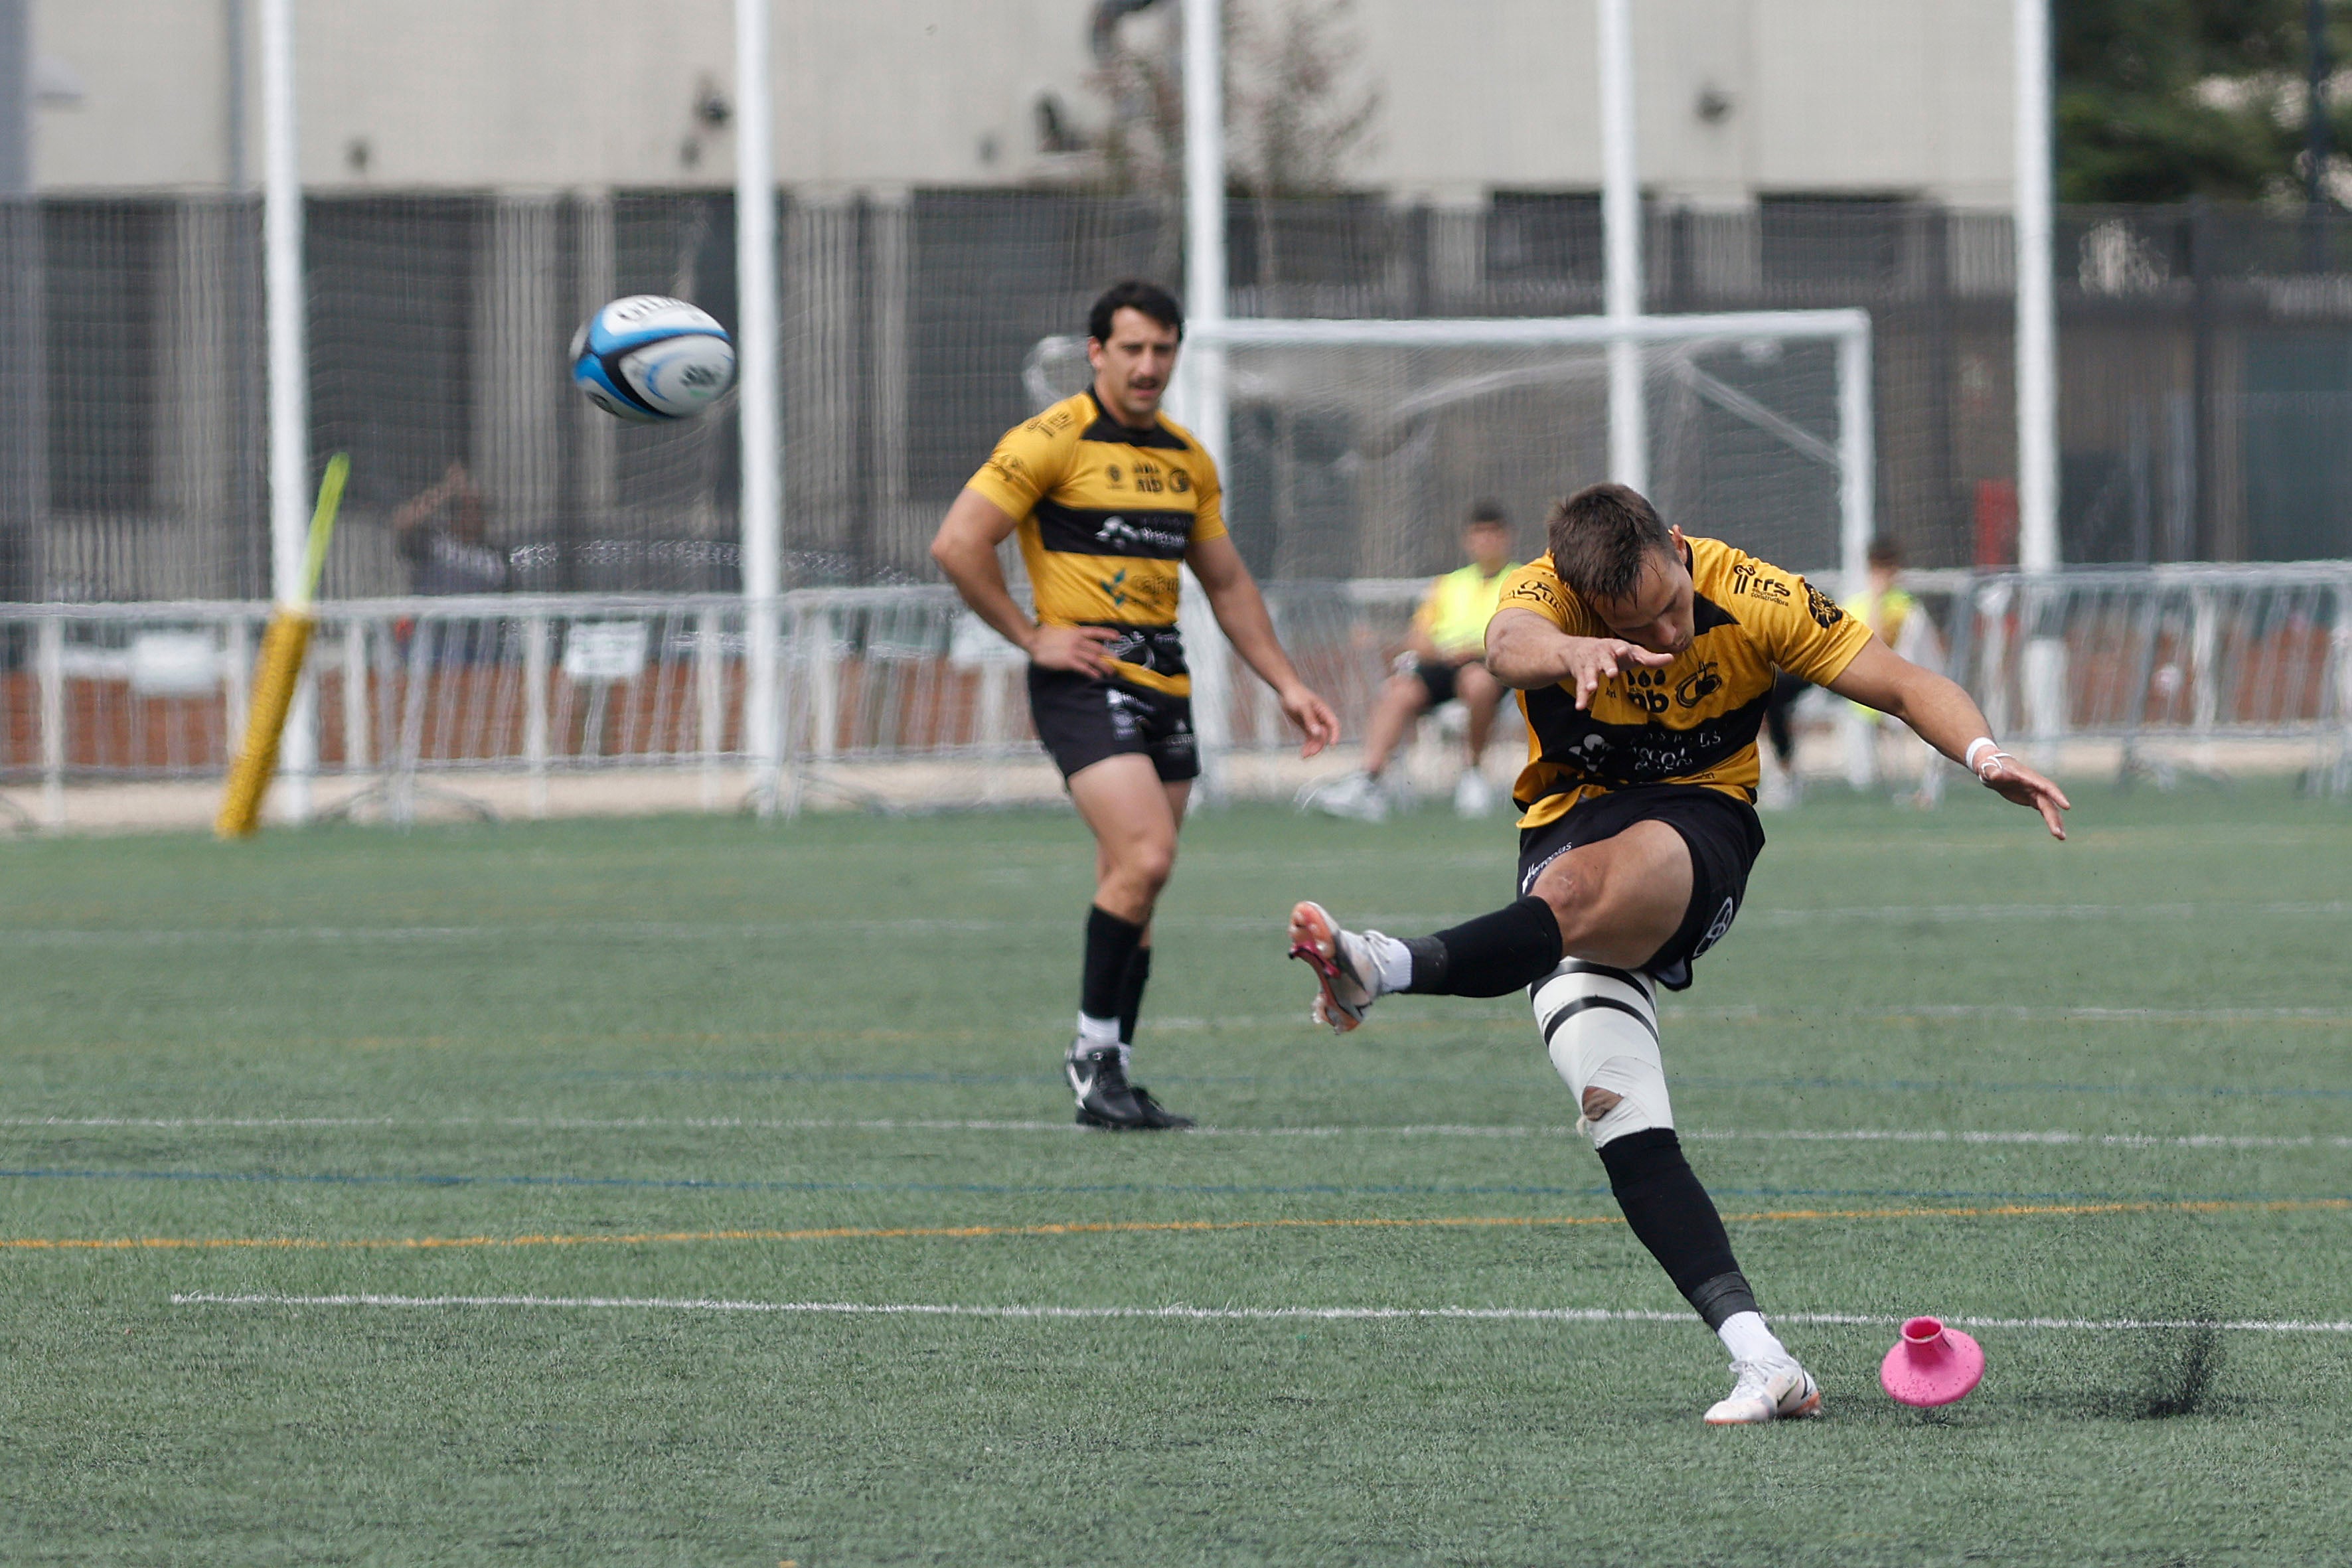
(1202, 388)
(1849, 330)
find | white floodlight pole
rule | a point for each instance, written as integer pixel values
(755, 271)
(289, 387)
(1204, 220)
(2037, 324)
(2037, 379)
(1202, 380)
(1620, 229)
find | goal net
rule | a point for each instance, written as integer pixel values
(1352, 450)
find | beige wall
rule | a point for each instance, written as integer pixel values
(1904, 96)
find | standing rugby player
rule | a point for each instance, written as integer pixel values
(1109, 498)
(1644, 662)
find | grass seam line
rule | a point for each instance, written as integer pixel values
(2055, 1137)
(1226, 1314)
(1121, 1227)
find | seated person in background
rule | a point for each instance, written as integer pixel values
(1881, 605)
(1781, 785)
(1442, 659)
(440, 533)
(1884, 608)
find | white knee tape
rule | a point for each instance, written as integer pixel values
(1601, 1025)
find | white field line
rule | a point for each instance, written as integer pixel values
(53, 936)
(1215, 1314)
(1430, 1130)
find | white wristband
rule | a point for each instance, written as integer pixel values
(1969, 757)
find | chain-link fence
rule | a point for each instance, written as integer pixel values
(2207, 363)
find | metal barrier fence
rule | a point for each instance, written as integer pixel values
(2156, 659)
(418, 694)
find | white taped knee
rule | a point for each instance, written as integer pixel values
(1601, 1025)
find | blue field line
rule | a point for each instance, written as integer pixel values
(1138, 1189)
(1696, 1080)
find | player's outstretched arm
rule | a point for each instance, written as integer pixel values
(1524, 650)
(1240, 609)
(1946, 718)
(965, 548)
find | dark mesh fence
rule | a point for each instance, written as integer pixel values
(2206, 399)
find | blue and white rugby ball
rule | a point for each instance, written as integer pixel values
(652, 359)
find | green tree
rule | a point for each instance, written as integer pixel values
(2157, 100)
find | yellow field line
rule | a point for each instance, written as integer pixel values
(854, 1233)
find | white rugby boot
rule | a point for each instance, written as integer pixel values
(1765, 1391)
(1359, 797)
(1343, 963)
(1473, 796)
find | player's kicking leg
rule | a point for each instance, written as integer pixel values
(1617, 897)
(1134, 815)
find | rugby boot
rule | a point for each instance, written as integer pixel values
(1343, 965)
(1155, 1116)
(1765, 1391)
(1099, 1077)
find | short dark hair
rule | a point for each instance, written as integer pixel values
(1885, 552)
(1134, 294)
(1601, 536)
(1487, 515)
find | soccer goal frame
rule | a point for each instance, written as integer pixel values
(1850, 452)
(1202, 402)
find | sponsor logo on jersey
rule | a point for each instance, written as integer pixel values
(1116, 530)
(1538, 591)
(1824, 609)
(1699, 685)
(1746, 579)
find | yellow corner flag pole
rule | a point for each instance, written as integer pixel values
(282, 648)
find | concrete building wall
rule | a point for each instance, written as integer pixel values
(1738, 98)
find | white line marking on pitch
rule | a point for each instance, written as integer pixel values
(1214, 1314)
(1433, 1130)
(652, 929)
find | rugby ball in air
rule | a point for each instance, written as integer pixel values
(652, 359)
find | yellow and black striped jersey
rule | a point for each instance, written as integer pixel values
(1105, 514)
(1696, 721)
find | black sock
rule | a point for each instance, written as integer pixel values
(1490, 956)
(1676, 1221)
(1131, 994)
(1111, 946)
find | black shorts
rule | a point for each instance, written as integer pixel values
(1436, 679)
(1724, 836)
(1081, 720)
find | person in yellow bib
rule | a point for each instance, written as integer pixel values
(1443, 658)
(1884, 608)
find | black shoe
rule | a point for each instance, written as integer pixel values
(1107, 1100)
(1156, 1115)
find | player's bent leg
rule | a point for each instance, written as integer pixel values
(1620, 899)
(1482, 696)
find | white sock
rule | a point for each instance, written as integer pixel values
(1391, 959)
(1096, 1033)
(1747, 1338)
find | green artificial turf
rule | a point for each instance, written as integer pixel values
(705, 1060)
